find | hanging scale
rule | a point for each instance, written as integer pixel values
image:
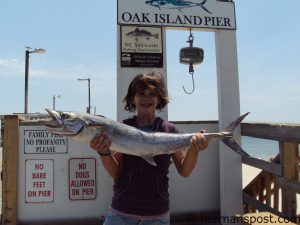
(191, 55)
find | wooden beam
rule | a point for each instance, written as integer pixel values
(289, 155)
(291, 185)
(270, 167)
(10, 170)
(248, 199)
(272, 131)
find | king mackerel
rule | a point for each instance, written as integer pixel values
(177, 4)
(127, 139)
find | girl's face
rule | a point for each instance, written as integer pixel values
(146, 101)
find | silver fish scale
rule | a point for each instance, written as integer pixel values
(130, 140)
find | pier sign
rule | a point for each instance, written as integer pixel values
(210, 14)
(141, 46)
(39, 181)
(43, 142)
(82, 178)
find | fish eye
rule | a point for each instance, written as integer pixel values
(64, 115)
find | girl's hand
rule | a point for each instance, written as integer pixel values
(101, 143)
(198, 142)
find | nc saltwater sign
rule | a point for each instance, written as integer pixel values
(141, 46)
(210, 14)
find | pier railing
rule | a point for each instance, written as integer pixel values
(274, 189)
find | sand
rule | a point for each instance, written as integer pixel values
(249, 173)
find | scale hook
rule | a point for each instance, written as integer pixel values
(193, 85)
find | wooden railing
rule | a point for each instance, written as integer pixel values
(274, 188)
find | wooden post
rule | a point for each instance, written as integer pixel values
(10, 170)
(289, 155)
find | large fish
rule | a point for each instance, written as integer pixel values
(128, 139)
(139, 33)
(176, 4)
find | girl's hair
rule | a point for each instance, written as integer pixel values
(141, 82)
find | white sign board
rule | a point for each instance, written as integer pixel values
(210, 14)
(39, 180)
(38, 141)
(82, 180)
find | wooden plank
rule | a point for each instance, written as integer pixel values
(270, 167)
(10, 170)
(268, 183)
(260, 189)
(272, 131)
(289, 154)
(276, 195)
(260, 206)
(291, 185)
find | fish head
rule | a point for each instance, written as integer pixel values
(64, 123)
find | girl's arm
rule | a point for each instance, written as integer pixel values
(112, 162)
(186, 162)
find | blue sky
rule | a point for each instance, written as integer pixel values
(80, 39)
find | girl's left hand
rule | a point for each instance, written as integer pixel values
(198, 142)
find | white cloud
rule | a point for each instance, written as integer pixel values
(11, 66)
(16, 67)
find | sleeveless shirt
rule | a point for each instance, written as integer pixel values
(142, 189)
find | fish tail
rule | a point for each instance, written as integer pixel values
(229, 141)
(231, 127)
(203, 7)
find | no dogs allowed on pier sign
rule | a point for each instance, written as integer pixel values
(82, 178)
(141, 46)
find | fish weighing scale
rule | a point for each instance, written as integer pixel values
(190, 56)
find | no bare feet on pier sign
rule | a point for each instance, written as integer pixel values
(39, 181)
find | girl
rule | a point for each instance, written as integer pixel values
(141, 190)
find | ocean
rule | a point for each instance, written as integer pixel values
(260, 148)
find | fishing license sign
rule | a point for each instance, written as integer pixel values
(141, 46)
(210, 14)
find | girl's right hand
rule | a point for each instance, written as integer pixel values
(101, 143)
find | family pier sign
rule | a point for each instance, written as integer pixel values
(209, 14)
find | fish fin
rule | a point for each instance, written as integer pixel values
(150, 160)
(231, 127)
(231, 143)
